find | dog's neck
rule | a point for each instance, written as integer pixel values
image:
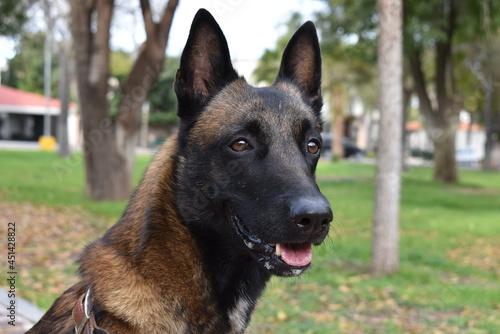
(190, 273)
(235, 276)
(238, 280)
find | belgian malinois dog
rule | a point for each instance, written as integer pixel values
(227, 202)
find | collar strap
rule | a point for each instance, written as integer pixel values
(83, 316)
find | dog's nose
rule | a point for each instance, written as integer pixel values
(312, 215)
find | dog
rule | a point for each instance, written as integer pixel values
(227, 201)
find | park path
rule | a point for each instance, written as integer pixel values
(26, 315)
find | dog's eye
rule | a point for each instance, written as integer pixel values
(240, 145)
(313, 147)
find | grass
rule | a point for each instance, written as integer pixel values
(43, 178)
(448, 280)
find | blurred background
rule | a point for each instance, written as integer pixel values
(92, 81)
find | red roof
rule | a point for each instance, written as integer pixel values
(13, 100)
(15, 97)
(413, 126)
(417, 125)
(465, 126)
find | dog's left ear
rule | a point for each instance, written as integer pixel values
(301, 63)
(205, 66)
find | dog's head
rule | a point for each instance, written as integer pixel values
(247, 155)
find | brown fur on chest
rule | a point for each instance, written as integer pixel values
(146, 280)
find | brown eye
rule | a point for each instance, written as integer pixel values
(240, 145)
(313, 147)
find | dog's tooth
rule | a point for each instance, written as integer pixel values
(278, 250)
(249, 244)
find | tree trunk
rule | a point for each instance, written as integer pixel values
(445, 169)
(442, 116)
(140, 81)
(338, 128)
(468, 138)
(106, 177)
(488, 144)
(440, 123)
(109, 144)
(90, 28)
(64, 85)
(385, 243)
(406, 103)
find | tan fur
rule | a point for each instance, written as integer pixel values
(239, 101)
(167, 288)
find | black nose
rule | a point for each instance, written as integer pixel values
(312, 215)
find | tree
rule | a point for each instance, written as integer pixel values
(13, 16)
(483, 59)
(442, 114)
(441, 29)
(432, 31)
(269, 62)
(26, 67)
(26, 70)
(385, 243)
(349, 61)
(109, 142)
(65, 73)
(59, 23)
(163, 102)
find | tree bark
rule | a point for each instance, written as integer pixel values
(109, 144)
(441, 122)
(64, 85)
(406, 103)
(441, 117)
(139, 83)
(385, 233)
(488, 90)
(444, 156)
(92, 64)
(339, 126)
(488, 143)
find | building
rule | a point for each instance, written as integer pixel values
(471, 136)
(22, 117)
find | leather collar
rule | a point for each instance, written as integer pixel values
(83, 316)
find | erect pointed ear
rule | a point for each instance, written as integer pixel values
(205, 66)
(301, 64)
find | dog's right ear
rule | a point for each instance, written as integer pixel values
(301, 64)
(205, 66)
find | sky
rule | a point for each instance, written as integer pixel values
(250, 26)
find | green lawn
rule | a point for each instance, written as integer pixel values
(43, 178)
(450, 245)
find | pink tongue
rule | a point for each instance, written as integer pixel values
(296, 255)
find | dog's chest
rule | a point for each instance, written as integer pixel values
(239, 315)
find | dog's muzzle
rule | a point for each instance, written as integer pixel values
(283, 258)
